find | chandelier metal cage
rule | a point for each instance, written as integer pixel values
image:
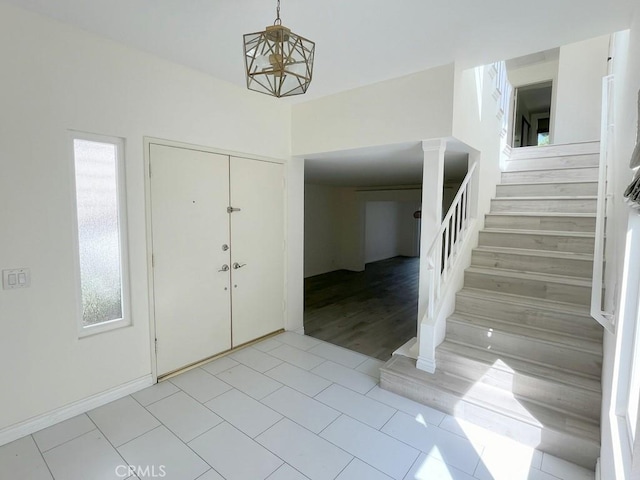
(278, 62)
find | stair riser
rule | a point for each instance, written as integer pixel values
(553, 162)
(554, 320)
(555, 355)
(581, 451)
(530, 222)
(534, 206)
(539, 176)
(558, 292)
(526, 263)
(555, 394)
(547, 190)
(555, 243)
(557, 150)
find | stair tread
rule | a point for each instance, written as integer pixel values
(544, 214)
(556, 233)
(544, 277)
(543, 335)
(535, 253)
(508, 363)
(546, 169)
(549, 197)
(531, 302)
(498, 400)
(546, 182)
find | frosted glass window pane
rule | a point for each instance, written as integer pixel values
(96, 168)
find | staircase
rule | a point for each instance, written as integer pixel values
(522, 355)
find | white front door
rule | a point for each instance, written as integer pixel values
(257, 236)
(190, 227)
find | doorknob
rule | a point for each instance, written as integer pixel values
(225, 268)
(237, 265)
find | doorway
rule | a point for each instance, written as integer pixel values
(362, 236)
(532, 115)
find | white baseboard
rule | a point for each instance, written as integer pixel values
(426, 364)
(32, 425)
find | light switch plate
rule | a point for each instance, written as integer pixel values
(16, 278)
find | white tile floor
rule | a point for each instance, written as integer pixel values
(288, 408)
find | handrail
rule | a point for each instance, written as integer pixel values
(603, 317)
(440, 256)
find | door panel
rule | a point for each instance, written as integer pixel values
(257, 235)
(189, 197)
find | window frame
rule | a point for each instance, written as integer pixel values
(126, 320)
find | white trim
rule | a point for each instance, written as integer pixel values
(35, 424)
(201, 148)
(598, 472)
(123, 231)
(426, 364)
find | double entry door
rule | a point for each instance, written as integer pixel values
(218, 252)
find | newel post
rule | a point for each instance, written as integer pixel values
(432, 190)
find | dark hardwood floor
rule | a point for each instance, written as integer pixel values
(372, 312)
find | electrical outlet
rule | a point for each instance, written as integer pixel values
(16, 278)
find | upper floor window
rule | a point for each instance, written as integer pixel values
(101, 232)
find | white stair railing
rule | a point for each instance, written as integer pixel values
(444, 250)
(598, 312)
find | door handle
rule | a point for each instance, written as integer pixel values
(237, 265)
(225, 268)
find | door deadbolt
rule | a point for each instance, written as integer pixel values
(225, 268)
(225, 247)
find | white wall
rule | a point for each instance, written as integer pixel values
(382, 225)
(338, 232)
(408, 229)
(55, 78)
(475, 123)
(615, 463)
(578, 104)
(322, 229)
(409, 108)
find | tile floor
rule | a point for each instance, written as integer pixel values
(288, 408)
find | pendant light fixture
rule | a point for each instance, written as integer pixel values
(277, 61)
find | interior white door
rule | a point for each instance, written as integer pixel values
(189, 199)
(257, 255)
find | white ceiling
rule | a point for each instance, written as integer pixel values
(357, 42)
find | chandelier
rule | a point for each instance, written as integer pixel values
(277, 61)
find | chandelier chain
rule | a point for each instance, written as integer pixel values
(277, 20)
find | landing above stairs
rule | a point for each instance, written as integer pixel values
(522, 356)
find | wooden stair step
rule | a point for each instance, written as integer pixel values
(555, 150)
(537, 312)
(586, 174)
(554, 221)
(572, 290)
(529, 260)
(510, 364)
(571, 437)
(560, 339)
(545, 163)
(573, 204)
(552, 240)
(570, 393)
(528, 348)
(547, 189)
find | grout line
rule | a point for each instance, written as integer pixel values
(44, 460)
(66, 441)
